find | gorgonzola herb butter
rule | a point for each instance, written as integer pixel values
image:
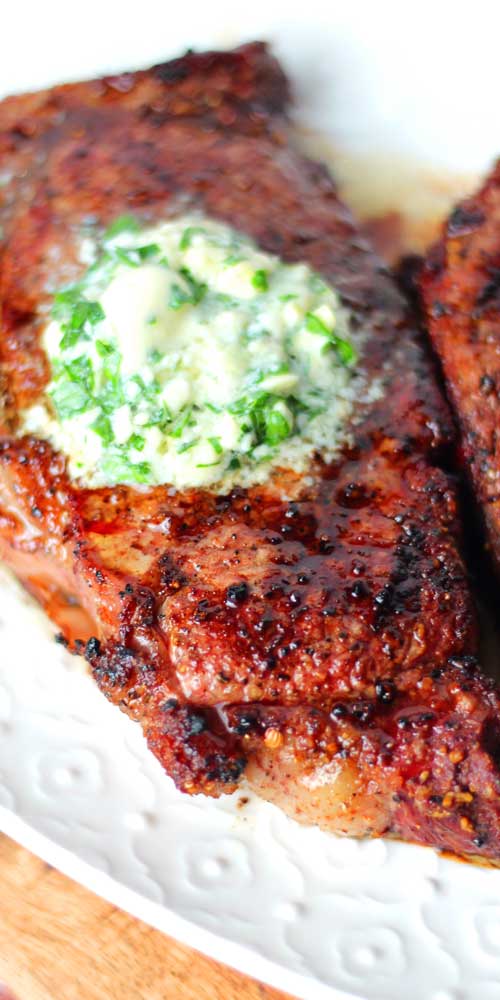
(185, 355)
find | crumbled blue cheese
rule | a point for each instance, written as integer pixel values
(185, 355)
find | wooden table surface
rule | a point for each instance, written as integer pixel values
(60, 942)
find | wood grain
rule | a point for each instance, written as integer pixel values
(60, 942)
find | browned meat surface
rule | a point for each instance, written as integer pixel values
(460, 285)
(322, 644)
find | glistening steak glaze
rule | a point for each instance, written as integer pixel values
(332, 606)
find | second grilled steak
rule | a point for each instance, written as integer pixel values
(460, 286)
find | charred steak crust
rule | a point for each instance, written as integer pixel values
(323, 643)
(460, 288)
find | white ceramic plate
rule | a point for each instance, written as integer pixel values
(317, 916)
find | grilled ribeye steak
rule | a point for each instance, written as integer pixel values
(460, 286)
(317, 633)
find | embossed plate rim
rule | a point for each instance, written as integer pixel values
(338, 58)
(238, 956)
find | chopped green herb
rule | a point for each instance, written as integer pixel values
(277, 427)
(71, 392)
(69, 398)
(346, 352)
(344, 349)
(224, 300)
(124, 224)
(65, 300)
(260, 281)
(118, 468)
(187, 236)
(260, 375)
(315, 325)
(102, 427)
(136, 441)
(232, 260)
(194, 293)
(181, 448)
(216, 445)
(112, 395)
(162, 418)
(83, 312)
(104, 348)
(184, 419)
(135, 256)
(80, 370)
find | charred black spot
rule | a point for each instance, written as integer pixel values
(274, 540)
(384, 597)
(415, 720)
(354, 496)
(172, 72)
(236, 593)
(196, 723)
(61, 639)
(359, 590)
(220, 768)
(490, 290)
(407, 721)
(358, 568)
(362, 711)
(36, 512)
(247, 722)
(171, 574)
(114, 671)
(205, 610)
(487, 385)
(93, 648)
(326, 545)
(480, 840)
(438, 309)
(339, 711)
(403, 591)
(464, 220)
(385, 691)
(145, 606)
(468, 664)
(124, 652)
(169, 705)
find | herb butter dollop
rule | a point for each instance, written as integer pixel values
(185, 355)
